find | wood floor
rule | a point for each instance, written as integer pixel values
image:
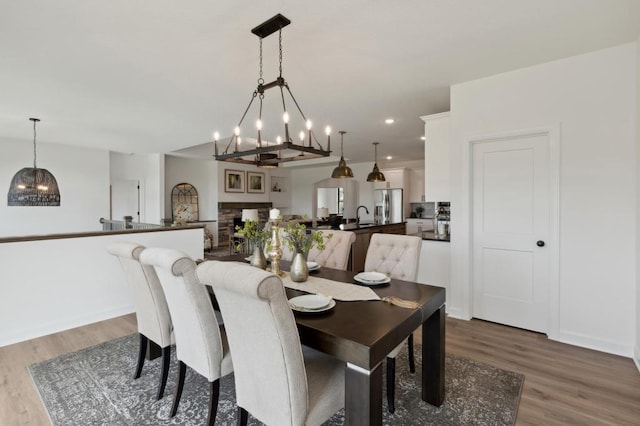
(563, 384)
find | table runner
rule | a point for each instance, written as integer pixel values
(335, 289)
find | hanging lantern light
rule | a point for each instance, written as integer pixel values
(32, 186)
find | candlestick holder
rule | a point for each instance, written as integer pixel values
(275, 252)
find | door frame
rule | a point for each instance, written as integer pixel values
(552, 133)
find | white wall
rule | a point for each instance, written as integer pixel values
(83, 178)
(76, 282)
(241, 196)
(592, 99)
(636, 354)
(304, 178)
(149, 170)
(203, 175)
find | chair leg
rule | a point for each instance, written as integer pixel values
(213, 402)
(243, 417)
(391, 384)
(412, 361)
(182, 370)
(141, 354)
(166, 358)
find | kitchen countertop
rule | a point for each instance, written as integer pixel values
(358, 226)
(432, 236)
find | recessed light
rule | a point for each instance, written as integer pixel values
(389, 157)
(423, 138)
(389, 120)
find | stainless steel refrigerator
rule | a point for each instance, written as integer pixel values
(388, 206)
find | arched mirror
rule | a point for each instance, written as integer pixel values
(184, 203)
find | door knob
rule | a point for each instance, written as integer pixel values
(540, 243)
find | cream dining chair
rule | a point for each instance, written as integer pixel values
(152, 313)
(200, 343)
(336, 252)
(277, 381)
(396, 256)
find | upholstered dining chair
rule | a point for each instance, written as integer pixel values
(200, 342)
(337, 250)
(396, 256)
(152, 313)
(277, 381)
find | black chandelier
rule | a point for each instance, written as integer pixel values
(32, 186)
(269, 154)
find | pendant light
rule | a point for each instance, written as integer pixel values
(32, 186)
(375, 175)
(342, 171)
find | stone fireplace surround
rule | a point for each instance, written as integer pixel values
(228, 211)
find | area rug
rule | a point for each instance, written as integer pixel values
(94, 386)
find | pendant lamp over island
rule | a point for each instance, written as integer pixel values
(376, 175)
(32, 186)
(342, 170)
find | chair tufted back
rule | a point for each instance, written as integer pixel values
(270, 377)
(336, 252)
(394, 255)
(198, 340)
(152, 312)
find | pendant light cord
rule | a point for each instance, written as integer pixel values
(35, 120)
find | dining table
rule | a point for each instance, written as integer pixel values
(362, 333)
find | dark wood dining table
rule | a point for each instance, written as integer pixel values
(362, 333)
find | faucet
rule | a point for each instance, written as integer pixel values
(358, 212)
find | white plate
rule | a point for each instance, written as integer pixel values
(310, 302)
(312, 266)
(372, 277)
(365, 282)
(331, 305)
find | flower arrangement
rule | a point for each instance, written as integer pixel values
(299, 241)
(256, 235)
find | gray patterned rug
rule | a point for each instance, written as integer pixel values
(94, 386)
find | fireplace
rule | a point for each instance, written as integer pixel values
(227, 212)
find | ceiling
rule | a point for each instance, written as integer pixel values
(162, 75)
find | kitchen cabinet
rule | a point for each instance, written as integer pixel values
(436, 157)
(418, 225)
(394, 178)
(415, 193)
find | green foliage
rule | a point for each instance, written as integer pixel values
(255, 234)
(299, 241)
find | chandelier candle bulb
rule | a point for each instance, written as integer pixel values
(309, 129)
(327, 131)
(285, 118)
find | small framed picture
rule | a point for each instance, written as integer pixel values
(233, 180)
(255, 181)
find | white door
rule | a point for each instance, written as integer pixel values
(125, 199)
(511, 220)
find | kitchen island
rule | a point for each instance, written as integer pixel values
(363, 233)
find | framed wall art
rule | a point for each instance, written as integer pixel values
(233, 180)
(255, 182)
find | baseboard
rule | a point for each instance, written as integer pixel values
(454, 312)
(589, 342)
(62, 325)
(636, 357)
